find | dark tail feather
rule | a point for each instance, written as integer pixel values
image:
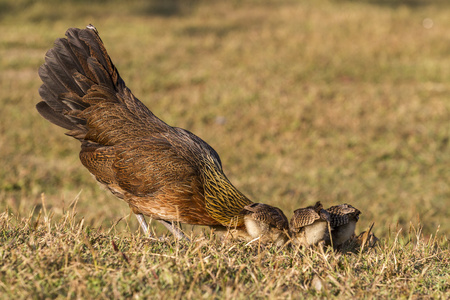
(72, 67)
(58, 119)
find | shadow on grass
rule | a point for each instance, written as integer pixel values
(39, 11)
(168, 8)
(397, 3)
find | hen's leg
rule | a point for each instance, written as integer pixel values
(169, 225)
(143, 224)
(175, 230)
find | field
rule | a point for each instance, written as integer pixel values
(337, 101)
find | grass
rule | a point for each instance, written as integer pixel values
(338, 101)
(48, 258)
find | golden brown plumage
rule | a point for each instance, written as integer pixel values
(161, 171)
(309, 226)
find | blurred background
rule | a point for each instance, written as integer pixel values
(337, 101)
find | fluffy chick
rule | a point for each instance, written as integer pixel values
(267, 222)
(343, 220)
(309, 226)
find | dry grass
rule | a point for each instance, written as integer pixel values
(338, 101)
(47, 258)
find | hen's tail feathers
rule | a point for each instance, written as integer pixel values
(72, 67)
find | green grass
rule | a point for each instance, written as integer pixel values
(337, 101)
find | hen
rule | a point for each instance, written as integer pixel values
(163, 172)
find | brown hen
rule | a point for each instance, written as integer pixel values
(164, 172)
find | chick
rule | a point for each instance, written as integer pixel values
(309, 226)
(343, 220)
(267, 222)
